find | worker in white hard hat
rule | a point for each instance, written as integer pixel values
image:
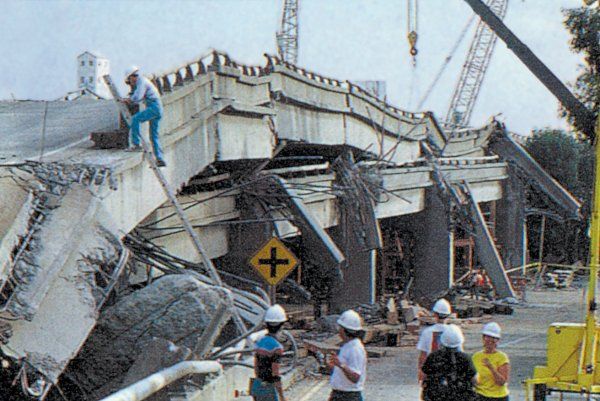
(349, 365)
(449, 372)
(493, 366)
(144, 91)
(429, 339)
(267, 384)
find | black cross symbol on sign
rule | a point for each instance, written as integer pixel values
(274, 262)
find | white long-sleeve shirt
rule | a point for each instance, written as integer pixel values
(145, 91)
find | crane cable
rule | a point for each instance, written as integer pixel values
(446, 62)
(412, 27)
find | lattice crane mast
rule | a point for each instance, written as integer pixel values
(287, 37)
(474, 69)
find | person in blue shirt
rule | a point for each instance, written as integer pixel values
(267, 384)
(145, 91)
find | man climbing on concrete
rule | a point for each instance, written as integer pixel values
(429, 339)
(144, 90)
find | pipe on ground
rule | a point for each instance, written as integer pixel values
(151, 384)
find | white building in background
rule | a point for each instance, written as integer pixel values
(90, 70)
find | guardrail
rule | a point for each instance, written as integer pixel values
(538, 266)
(151, 384)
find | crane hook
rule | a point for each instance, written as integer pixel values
(412, 41)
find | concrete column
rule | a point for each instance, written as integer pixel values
(245, 240)
(511, 222)
(358, 285)
(434, 248)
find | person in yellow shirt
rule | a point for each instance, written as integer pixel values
(493, 367)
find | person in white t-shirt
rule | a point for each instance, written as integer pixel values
(429, 339)
(349, 366)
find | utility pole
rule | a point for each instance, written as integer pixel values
(287, 37)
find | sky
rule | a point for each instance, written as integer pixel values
(342, 39)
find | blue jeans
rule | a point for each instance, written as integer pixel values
(153, 114)
(262, 391)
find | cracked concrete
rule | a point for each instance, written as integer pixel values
(175, 308)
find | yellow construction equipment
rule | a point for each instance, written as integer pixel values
(572, 359)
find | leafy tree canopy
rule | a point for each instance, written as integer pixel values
(584, 25)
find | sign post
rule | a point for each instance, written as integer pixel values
(273, 262)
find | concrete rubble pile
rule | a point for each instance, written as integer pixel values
(395, 323)
(175, 308)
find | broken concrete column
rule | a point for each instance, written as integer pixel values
(511, 222)
(434, 256)
(176, 308)
(359, 236)
(358, 286)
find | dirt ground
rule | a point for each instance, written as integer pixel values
(393, 377)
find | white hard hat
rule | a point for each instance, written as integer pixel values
(452, 336)
(442, 307)
(350, 320)
(492, 329)
(131, 70)
(275, 314)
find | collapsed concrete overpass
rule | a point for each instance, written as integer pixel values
(241, 142)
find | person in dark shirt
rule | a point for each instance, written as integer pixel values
(449, 372)
(267, 385)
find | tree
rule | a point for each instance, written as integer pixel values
(584, 26)
(570, 161)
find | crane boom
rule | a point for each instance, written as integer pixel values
(584, 118)
(474, 68)
(287, 37)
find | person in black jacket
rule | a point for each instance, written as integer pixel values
(449, 372)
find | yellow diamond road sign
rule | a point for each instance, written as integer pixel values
(274, 261)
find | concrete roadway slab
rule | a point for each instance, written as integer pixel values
(393, 377)
(67, 123)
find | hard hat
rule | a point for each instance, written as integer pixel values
(442, 307)
(350, 320)
(131, 70)
(492, 329)
(452, 336)
(275, 314)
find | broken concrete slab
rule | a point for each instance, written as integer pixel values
(507, 148)
(486, 250)
(176, 308)
(55, 333)
(35, 272)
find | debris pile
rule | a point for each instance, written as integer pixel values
(174, 308)
(558, 278)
